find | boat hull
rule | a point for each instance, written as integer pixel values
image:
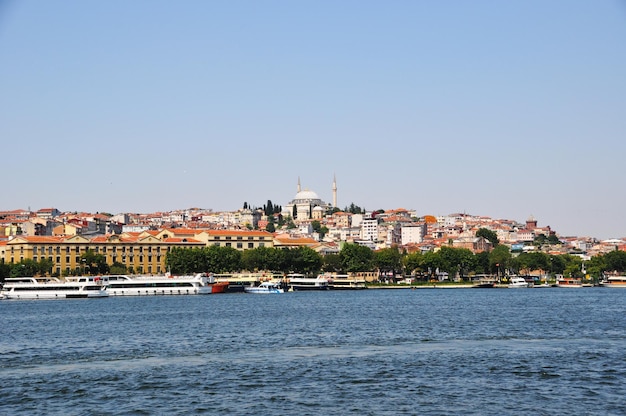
(355, 286)
(490, 285)
(614, 285)
(258, 291)
(158, 291)
(219, 287)
(54, 294)
(299, 288)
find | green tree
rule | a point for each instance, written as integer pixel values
(354, 209)
(221, 260)
(489, 235)
(432, 263)
(482, 263)
(5, 271)
(413, 262)
(45, 267)
(263, 258)
(615, 261)
(466, 261)
(553, 239)
(533, 261)
(319, 228)
(500, 259)
(356, 258)
(26, 267)
(558, 264)
(573, 267)
(303, 260)
(457, 260)
(388, 260)
(331, 263)
(119, 268)
(596, 266)
(93, 263)
(540, 240)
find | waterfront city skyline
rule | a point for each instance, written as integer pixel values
(502, 110)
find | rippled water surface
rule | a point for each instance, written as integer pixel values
(373, 352)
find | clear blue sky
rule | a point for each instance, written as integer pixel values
(498, 108)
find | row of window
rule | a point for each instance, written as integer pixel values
(78, 249)
(217, 237)
(125, 259)
(239, 245)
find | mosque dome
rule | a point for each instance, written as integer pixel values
(306, 195)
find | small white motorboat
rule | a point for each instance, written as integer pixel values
(517, 282)
(265, 287)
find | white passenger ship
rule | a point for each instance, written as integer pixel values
(71, 287)
(297, 282)
(345, 282)
(198, 284)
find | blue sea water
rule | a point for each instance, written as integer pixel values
(372, 352)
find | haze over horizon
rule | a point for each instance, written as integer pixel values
(504, 109)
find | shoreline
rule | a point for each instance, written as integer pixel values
(444, 286)
(432, 286)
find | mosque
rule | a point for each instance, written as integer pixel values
(307, 205)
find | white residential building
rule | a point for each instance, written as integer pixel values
(412, 233)
(369, 229)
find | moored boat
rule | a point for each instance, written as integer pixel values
(344, 282)
(517, 282)
(265, 288)
(484, 285)
(569, 282)
(614, 282)
(298, 282)
(71, 287)
(198, 284)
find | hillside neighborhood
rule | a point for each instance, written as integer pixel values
(142, 240)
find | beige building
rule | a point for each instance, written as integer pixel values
(238, 239)
(143, 252)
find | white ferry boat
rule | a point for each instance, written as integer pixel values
(198, 284)
(71, 287)
(299, 282)
(345, 282)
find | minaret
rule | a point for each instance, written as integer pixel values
(298, 184)
(334, 191)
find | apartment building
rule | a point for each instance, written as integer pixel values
(369, 229)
